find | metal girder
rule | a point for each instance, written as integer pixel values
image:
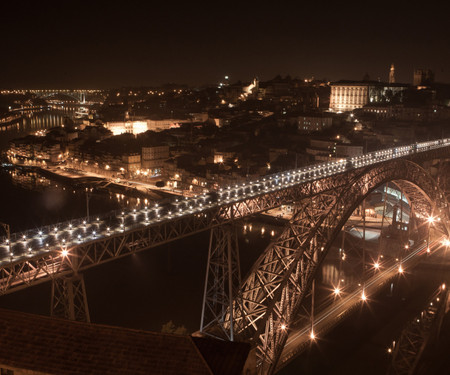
(274, 291)
(69, 299)
(417, 333)
(223, 278)
(28, 269)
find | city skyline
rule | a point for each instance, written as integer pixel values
(106, 45)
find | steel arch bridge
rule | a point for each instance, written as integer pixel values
(273, 293)
(79, 95)
(271, 296)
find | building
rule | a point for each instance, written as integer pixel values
(325, 150)
(153, 157)
(131, 162)
(133, 127)
(316, 122)
(344, 151)
(401, 112)
(423, 77)
(37, 345)
(349, 95)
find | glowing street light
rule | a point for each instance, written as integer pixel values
(363, 296)
(337, 291)
(376, 265)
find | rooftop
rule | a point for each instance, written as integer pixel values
(57, 346)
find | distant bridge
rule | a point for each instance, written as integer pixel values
(78, 94)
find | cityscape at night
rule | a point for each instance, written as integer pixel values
(231, 188)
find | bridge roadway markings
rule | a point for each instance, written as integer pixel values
(332, 315)
(196, 205)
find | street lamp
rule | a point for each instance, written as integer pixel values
(8, 235)
(430, 221)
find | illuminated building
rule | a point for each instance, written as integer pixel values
(349, 95)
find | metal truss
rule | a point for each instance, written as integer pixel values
(34, 268)
(417, 334)
(223, 278)
(69, 298)
(273, 293)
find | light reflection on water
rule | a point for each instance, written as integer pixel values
(30, 124)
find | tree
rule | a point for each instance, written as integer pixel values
(170, 327)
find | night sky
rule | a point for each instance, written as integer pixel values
(76, 44)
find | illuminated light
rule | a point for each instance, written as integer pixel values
(337, 291)
(377, 265)
(363, 296)
(446, 242)
(29, 249)
(263, 230)
(64, 253)
(406, 247)
(443, 286)
(428, 250)
(272, 233)
(283, 327)
(430, 219)
(389, 350)
(312, 335)
(400, 269)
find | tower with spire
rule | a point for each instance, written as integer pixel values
(392, 74)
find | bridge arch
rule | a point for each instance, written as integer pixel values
(273, 292)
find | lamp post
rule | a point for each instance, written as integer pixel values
(8, 235)
(87, 203)
(430, 221)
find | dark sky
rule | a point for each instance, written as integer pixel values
(96, 44)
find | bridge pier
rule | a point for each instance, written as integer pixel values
(222, 282)
(69, 300)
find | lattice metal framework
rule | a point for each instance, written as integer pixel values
(417, 334)
(33, 269)
(274, 291)
(223, 278)
(69, 299)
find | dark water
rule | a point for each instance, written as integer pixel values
(147, 289)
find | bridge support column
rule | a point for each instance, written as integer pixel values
(223, 279)
(69, 300)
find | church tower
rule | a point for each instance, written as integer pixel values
(392, 74)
